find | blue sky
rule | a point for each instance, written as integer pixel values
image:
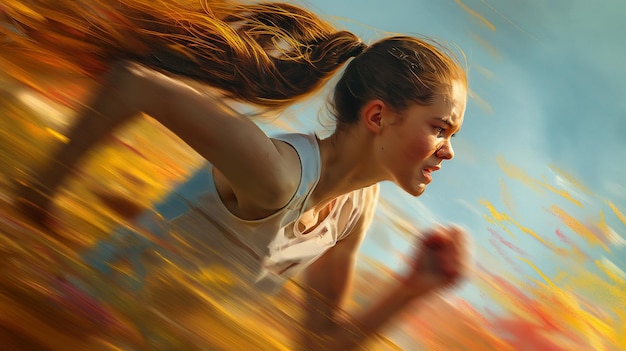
(548, 89)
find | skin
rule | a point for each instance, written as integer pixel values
(393, 146)
(258, 175)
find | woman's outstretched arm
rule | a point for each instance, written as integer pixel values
(260, 173)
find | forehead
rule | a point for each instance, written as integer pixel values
(455, 102)
(449, 107)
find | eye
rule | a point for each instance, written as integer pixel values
(440, 131)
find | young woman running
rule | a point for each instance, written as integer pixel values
(268, 208)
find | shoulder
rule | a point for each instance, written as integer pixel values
(304, 145)
(371, 194)
(303, 155)
(369, 200)
(365, 201)
(283, 168)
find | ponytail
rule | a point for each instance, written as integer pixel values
(269, 55)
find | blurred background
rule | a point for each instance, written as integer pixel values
(538, 180)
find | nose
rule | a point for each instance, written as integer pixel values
(445, 151)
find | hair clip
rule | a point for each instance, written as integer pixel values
(410, 61)
(399, 54)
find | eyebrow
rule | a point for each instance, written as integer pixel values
(447, 121)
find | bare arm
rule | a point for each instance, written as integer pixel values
(438, 263)
(259, 172)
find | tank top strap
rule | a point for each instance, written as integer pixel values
(308, 151)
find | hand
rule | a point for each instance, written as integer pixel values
(440, 260)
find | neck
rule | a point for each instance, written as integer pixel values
(346, 166)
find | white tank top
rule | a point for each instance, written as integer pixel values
(267, 251)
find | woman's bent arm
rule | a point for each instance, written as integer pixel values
(439, 262)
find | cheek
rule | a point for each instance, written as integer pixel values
(418, 149)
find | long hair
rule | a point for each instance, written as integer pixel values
(269, 54)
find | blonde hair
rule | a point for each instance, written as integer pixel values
(270, 54)
(267, 54)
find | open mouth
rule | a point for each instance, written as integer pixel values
(426, 172)
(427, 175)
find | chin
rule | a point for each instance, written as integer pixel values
(416, 191)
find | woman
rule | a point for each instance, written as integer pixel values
(274, 207)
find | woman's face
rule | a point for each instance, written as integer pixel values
(417, 140)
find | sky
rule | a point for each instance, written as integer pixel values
(546, 117)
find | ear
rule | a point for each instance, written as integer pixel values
(372, 115)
